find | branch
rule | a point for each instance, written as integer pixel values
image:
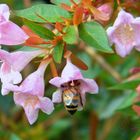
(103, 63)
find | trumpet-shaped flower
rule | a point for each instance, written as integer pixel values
(125, 33)
(10, 33)
(12, 64)
(30, 94)
(71, 73)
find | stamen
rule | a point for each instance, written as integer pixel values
(125, 25)
(134, 43)
(31, 100)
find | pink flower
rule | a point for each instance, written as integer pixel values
(125, 33)
(10, 33)
(30, 94)
(106, 9)
(12, 64)
(71, 73)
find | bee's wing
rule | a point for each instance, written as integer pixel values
(80, 107)
(68, 98)
(81, 102)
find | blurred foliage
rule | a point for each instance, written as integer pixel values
(110, 110)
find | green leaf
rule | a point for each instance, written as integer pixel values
(26, 48)
(40, 30)
(14, 137)
(58, 51)
(70, 36)
(126, 85)
(58, 128)
(118, 104)
(94, 35)
(137, 135)
(128, 100)
(44, 12)
(111, 108)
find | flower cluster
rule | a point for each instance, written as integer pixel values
(29, 93)
(72, 87)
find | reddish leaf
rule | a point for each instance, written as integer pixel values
(34, 39)
(66, 7)
(59, 26)
(78, 62)
(78, 16)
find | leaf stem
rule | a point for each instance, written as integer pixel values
(53, 69)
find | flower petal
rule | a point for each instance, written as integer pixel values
(123, 38)
(107, 9)
(5, 56)
(46, 105)
(57, 96)
(13, 77)
(7, 87)
(110, 31)
(33, 84)
(31, 113)
(11, 34)
(24, 57)
(89, 85)
(71, 72)
(57, 81)
(30, 104)
(123, 17)
(19, 98)
(4, 91)
(4, 12)
(136, 27)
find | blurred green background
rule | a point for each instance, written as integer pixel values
(101, 119)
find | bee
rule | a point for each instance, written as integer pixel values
(71, 96)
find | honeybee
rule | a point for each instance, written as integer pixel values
(71, 96)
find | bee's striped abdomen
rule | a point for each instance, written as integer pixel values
(71, 99)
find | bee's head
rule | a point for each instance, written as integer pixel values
(73, 83)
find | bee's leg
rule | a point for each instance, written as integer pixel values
(81, 102)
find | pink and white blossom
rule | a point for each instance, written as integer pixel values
(12, 64)
(125, 33)
(30, 94)
(10, 33)
(72, 73)
(107, 10)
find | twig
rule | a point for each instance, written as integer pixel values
(103, 63)
(53, 69)
(109, 124)
(93, 126)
